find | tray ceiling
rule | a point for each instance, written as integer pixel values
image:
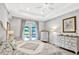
(40, 11)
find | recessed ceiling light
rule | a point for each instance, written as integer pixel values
(27, 9)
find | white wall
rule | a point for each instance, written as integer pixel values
(16, 26)
(4, 19)
(41, 25)
(3, 14)
(58, 22)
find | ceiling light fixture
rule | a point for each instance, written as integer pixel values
(46, 7)
(27, 9)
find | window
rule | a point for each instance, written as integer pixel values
(30, 31)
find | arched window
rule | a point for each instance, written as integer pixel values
(30, 31)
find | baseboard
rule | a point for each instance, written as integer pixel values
(45, 41)
(67, 49)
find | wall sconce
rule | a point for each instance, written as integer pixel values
(53, 29)
(10, 32)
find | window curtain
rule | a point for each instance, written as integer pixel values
(22, 27)
(38, 30)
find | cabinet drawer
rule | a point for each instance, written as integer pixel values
(67, 47)
(67, 40)
(67, 43)
(73, 41)
(73, 48)
(70, 44)
(73, 45)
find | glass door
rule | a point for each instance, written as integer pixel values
(34, 31)
(30, 31)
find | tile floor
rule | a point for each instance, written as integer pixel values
(50, 47)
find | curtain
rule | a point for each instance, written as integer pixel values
(38, 30)
(22, 27)
(23, 22)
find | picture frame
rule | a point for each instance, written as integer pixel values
(69, 25)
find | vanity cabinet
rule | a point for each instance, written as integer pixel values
(68, 42)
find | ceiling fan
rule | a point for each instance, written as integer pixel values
(46, 6)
